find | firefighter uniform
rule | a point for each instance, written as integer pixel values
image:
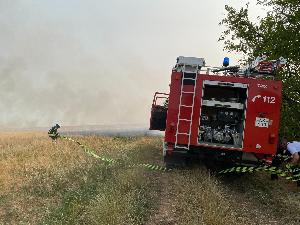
(53, 132)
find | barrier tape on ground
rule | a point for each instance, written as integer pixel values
(290, 172)
(92, 153)
(284, 157)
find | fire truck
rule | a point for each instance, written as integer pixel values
(224, 114)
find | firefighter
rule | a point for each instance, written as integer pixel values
(277, 159)
(53, 132)
(293, 148)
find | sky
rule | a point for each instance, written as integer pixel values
(96, 62)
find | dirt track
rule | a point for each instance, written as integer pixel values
(243, 200)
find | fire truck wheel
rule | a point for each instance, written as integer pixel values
(175, 161)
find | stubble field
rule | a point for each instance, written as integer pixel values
(42, 182)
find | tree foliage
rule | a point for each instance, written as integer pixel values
(276, 34)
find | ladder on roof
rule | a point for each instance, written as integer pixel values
(181, 106)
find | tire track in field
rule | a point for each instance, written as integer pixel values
(166, 211)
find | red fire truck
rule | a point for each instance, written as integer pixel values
(219, 114)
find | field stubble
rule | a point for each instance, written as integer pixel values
(57, 183)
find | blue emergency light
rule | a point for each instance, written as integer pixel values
(226, 62)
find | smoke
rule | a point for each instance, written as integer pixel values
(95, 62)
(56, 70)
(70, 96)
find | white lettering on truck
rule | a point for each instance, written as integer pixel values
(266, 99)
(262, 85)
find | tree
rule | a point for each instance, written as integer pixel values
(277, 34)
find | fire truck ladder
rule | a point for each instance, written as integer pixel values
(180, 120)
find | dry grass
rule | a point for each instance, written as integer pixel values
(46, 183)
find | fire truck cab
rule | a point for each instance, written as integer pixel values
(222, 114)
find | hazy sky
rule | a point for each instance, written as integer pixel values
(81, 62)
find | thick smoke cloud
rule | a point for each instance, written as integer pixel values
(95, 62)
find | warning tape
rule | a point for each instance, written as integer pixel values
(92, 153)
(290, 172)
(283, 157)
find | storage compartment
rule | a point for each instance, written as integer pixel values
(222, 114)
(224, 92)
